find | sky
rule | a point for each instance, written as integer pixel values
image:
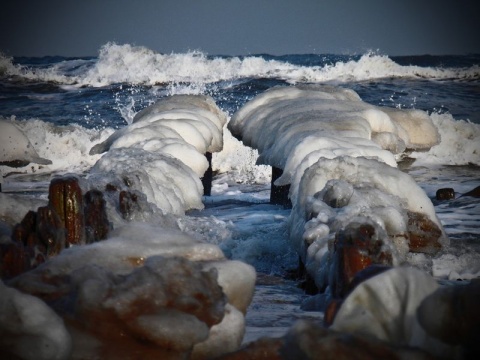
(241, 27)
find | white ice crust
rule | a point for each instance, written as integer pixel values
(338, 154)
(30, 329)
(130, 249)
(388, 303)
(162, 153)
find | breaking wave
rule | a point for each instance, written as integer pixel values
(142, 66)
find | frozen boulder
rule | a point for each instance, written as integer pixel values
(388, 303)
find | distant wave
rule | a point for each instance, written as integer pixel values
(142, 66)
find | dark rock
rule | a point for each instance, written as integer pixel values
(14, 260)
(208, 176)
(452, 315)
(473, 193)
(49, 230)
(279, 194)
(27, 226)
(96, 219)
(445, 194)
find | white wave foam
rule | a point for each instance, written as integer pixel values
(140, 65)
(54, 73)
(459, 145)
(66, 146)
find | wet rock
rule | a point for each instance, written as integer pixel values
(65, 196)
(41, 234)
(473, 193)
(50, 231)
(423, 234)
(96, 219)
(445, 194)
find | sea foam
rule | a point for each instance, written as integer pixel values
(125, 63)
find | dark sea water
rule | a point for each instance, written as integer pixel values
(69, 103)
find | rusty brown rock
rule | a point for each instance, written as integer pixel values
(355, 248)
(65, 196)
(96, 219)
(423, 234)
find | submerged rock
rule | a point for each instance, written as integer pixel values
(473, 193)
(445, 194)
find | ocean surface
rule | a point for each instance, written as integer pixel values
(66, 105)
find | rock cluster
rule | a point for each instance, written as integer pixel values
(69, 218)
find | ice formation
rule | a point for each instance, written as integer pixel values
(162, 153)
(388, 303)
(338, 154)
(155, 284)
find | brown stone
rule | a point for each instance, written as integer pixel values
(65, 195)
(423, 234)
(445, 194)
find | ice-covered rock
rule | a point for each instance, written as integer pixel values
(30, 329)
(155, 284)
(388, 303)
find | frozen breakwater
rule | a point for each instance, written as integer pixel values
(354, 214)
(82, 288)
(136, 285)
